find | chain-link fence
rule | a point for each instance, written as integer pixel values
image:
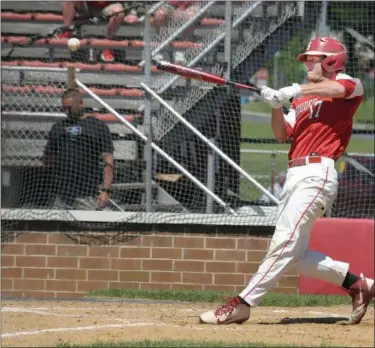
(246, 41)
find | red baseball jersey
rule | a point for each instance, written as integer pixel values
(324, 125)
(100, 4)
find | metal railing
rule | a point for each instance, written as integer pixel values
(215, 148)
(157, 148)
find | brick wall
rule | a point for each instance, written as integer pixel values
(51, 264)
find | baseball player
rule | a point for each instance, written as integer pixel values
(320, 125)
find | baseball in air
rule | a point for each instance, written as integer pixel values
(74, 44)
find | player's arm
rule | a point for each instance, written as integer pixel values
(107, 151)
(108, 171)
(328, 89)
(340, 88)
(103, 198)
(278, 125)
(283, 124)
(50, 149)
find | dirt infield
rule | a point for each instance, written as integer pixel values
(47, 323)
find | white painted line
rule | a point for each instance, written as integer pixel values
(22, 310)
(35, 308)
(79, 328)
(74, 308)
(121, 320)
(192, 327)
(26, 310)
(333, 315)
(55, 308)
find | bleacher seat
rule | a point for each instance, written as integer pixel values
(117, 83)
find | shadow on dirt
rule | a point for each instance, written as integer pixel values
(320, 320)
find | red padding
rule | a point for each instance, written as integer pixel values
(39, 63)
(348, 240)
(16, 16)
(212, 21)
(50, 17)
(131, 92)
(108, 43)
(83, 66)
(107, 117)
(121, 67)
(11, 63)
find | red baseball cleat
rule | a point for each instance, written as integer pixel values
(362, 292)
(233, 312)
(65, 35)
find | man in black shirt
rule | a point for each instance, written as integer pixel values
(74, 150)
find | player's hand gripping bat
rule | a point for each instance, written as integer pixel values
(196, 74)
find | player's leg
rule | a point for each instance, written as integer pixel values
(113, 25)
(318, 265)
(70, 9)
(306, 203)
(303, 201)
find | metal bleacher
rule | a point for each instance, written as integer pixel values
(118, 83)
(24, 108)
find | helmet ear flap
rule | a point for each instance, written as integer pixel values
(334, 63)
(329, 63)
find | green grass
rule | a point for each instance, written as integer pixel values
(182, 343)
(365, 112)
(361, 145)
(256, 130)
(271, 299)
(257, 107)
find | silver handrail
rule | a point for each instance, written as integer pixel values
(158, 149)
(36, 68)
(225, 157)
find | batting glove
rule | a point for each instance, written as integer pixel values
(271, 97)
(288, 93)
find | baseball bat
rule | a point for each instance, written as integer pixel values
(197, 74)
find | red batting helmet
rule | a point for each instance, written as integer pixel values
(332, 49)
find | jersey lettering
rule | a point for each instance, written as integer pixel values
(307, 105)
(315, 109)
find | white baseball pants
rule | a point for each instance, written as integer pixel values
(308, 192)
